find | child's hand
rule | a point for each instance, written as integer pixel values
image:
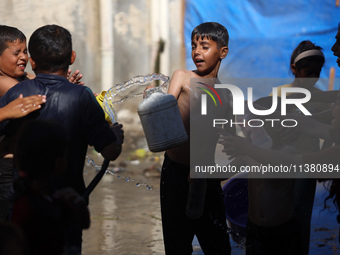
(75, 77)
(222, 131)
(233, 146)
(113, 150)
(22, 106)
(148, 87)
(119, 132)
(288, 135)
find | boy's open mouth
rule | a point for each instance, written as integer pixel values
(22, 66)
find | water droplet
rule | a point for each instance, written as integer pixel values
(149, 187)
(128, 179)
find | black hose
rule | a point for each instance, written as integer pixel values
(96, 179)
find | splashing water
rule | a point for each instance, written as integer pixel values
(139, 80)
(98, 167)
(144, 184)
(91, 161)
(114, 173)
(230, 231)
(109, 109)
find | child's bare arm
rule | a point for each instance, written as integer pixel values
(307, 125)
(177, 82)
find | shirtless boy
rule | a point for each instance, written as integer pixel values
(209, 47)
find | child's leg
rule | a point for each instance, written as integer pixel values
(211, 229)
(304, 192)
(6, 179)
(177, 227)
(280, 240)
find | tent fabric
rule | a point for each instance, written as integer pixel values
(264, 33)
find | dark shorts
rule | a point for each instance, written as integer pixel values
(6, 179)
(279, 240)
(178, 229)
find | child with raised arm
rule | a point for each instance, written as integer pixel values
(209, 46)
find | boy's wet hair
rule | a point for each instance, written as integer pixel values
(307, 61)
(213, 31)
(50, 47)
(9, 34)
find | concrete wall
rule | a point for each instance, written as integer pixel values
(80, 17)
(107, 57)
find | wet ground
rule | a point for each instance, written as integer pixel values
(125, 208)
(125, 216)
(125, 219)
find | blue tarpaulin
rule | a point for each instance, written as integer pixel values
(264, 33)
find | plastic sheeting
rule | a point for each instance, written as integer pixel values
(264, 33)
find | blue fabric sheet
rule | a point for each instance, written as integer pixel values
(264, 33)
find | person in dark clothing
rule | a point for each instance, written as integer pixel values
(41, 211)
(13, 62)
(71, 105)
